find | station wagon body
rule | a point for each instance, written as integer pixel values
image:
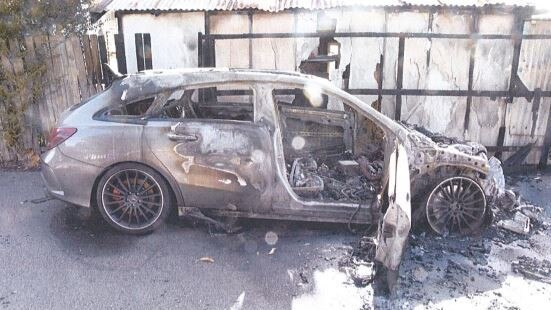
(259, 144)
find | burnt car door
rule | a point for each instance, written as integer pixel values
(395, 225)
(207, 138)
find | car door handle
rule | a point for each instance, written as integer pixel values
(182, 137)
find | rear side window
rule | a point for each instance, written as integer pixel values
(139, 108)
(136, 108)
(228, 101)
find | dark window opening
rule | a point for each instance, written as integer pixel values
(325, 61)
(143, 51)
(139, 108)
(229, 102)
(298, 97)
(135, 108)
(331, 151)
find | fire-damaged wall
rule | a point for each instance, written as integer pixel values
(372, 62)
(528, 120)
(436, 64)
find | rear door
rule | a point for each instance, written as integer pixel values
(216, 152)
(396, 222)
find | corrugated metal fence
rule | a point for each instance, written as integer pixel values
(73, 72)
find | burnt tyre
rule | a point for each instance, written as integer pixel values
(133, 198)
(456, 205)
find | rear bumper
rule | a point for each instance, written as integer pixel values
(68, 179)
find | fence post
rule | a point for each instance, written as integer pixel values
(399, 78)
(474, 41)
(544, 157)
(121, 53)
(199, 49)
(518, 29)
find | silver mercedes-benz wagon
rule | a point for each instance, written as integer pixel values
(221, 143)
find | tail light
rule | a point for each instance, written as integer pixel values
(58, 135)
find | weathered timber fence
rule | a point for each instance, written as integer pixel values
(483, 84)
(72, 72)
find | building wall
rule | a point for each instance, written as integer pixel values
(173, 38)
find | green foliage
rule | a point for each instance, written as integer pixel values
(21, 77)
(27, 17)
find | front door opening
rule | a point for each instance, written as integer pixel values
(332, 153)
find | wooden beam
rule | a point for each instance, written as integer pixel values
(474, 31)
(399, 78)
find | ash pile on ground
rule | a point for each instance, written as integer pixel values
(506, 266)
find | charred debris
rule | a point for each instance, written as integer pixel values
(345, 179)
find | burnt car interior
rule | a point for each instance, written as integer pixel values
(135, 108)
(331, 152)
(229, 102)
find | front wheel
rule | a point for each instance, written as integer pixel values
(133, 198)
(456, 205)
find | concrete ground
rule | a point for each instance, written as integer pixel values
(51, 258)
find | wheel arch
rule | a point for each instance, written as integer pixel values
(422, 184)
(172, 184)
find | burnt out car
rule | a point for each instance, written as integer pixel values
(218, 143)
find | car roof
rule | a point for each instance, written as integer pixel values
(167, 77)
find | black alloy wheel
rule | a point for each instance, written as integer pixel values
(133, 199)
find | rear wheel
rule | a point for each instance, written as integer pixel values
(133, 198)
(456, 205)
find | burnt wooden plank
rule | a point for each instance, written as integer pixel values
(399, 78)
(500, 140)
(544, 157)
(518, 29)
(148, 57)
(474, 31)
(200, 49)
(94, 50)
(103, 59)
(121, 53)
(444, 93)
(409, 35)
(138, 39)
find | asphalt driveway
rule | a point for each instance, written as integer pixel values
(50, 258)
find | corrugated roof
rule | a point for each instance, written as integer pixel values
(279, 5)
